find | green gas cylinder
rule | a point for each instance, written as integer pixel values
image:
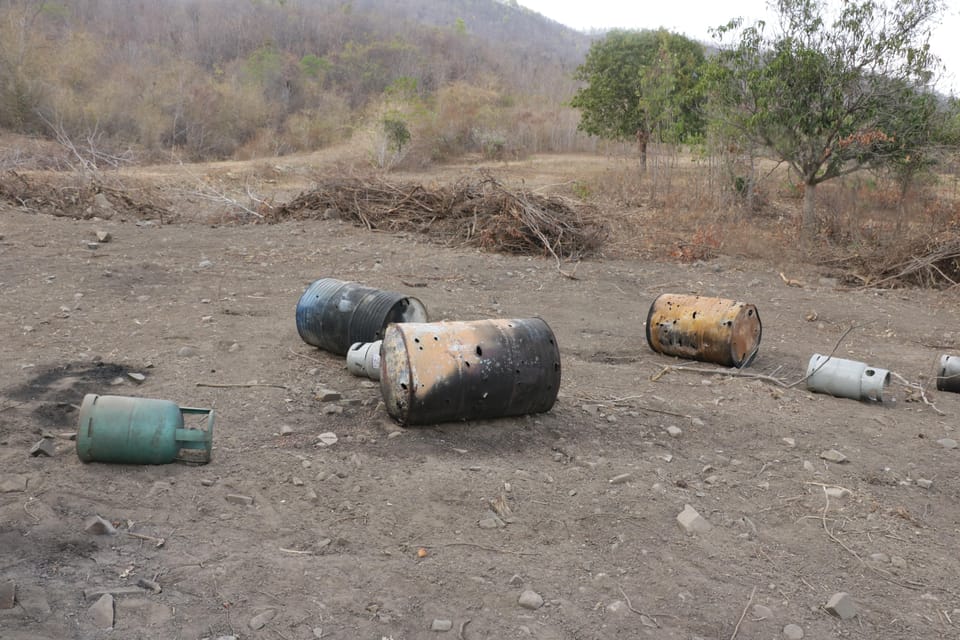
(140, 431)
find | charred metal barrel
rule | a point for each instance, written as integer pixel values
(948, 374)
(701, 328)
(447, 371)
(333, 314)
(846, 378)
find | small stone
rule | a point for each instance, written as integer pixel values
(102, 612)
(924, 483)
(208, 482)
(947, 443)
(285, 429)
(100, 526)
(808, 466)
(104, 236)
(136, 377)
(530, 600)
(834, 456)
(793, 632)
(327, 439)
(880, 557)
(8, 594)
(297, 482)
(837, 492)
(324, 394)
(205, 264)
(674, 431)
(617, 606)
(234, 347)
(93, 245)
(441, 625)
(332, 409)
(492, 522)
(697, 422)
(187, 352)
(260, 620)
(762, 612)
(116, 382)
(790, 442)
(516, 580)
(898, 562)
(149, 585)
(45, 447)
(620, 479)
(692, 521)
(841, 605)
(237, 498)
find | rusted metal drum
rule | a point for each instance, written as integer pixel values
(948, 373)
(446, 371)
(333, 314)
(701, 328)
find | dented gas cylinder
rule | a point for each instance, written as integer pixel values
(846, 378)
(333, 314)
(715, 330)
(447, 371)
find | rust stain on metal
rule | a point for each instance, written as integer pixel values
(438, 372)
(702, 328)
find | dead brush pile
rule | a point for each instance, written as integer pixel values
(480, 213)
(932, 263)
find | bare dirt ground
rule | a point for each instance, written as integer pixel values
(330, 546)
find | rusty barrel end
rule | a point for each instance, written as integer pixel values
(716, 330)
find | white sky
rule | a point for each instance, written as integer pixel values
(694, 18)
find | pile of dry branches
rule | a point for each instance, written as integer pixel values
(930, 263)
(480, 213)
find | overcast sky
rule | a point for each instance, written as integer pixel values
(694, 18)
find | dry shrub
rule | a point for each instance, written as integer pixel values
(481, 213)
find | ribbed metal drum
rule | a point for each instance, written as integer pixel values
(447, 371)
(333, 314)
(702, 328)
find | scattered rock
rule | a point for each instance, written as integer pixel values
(323, 394)
(100, 526)
(285, 430)
(234, 347)
(297, 482)
(923, 482)
(492, 522)
(260, 620)
(136, 377)
(8, 594)
(837, 492)
(45, 447)
(790, 442)
(516, 580)
(187, 352)
(947, 443)
(620, 479)
(441, 625)
(327, 439)
(530, 600)
(104, 236)
(102, 612)
(617, 606)
(793, 632)
(13, 482)
(762, 612)
(205, 264)
(898, 562)
(149, 585)
(808, 466)
(237, 498)
(692, 522)
(880, 557)
(834, 456)
(841, 605)
(674, 431)
(332, 409)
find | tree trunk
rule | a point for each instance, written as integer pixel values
(808, 228)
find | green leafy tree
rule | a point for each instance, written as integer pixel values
(396, 131)
(641, 84)
(822, 91)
